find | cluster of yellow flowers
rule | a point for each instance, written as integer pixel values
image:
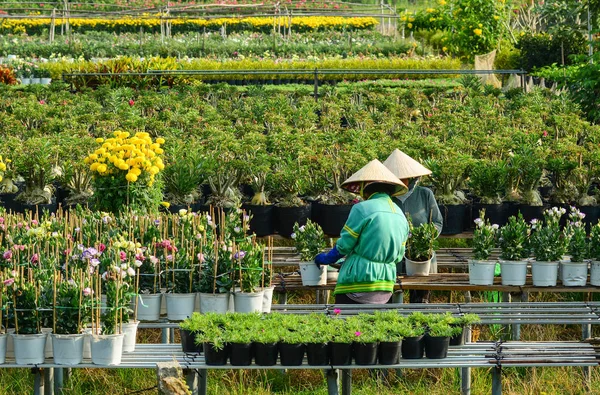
(2, 167)
(304, 23)
(127, 155)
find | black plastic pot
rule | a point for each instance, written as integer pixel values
(330, 217)
(174, 208)
(496, 213)
(436, 347)
(365, 353)
(265, 354)
(317, 354)
(261, 222)
(291, 354)
(530, 212)
(286, 217)
(340, 353)
(458, 340)
(389, 353)
(413, 347)
(241, 354)
(454, 218)
(8, 200)
(188, 342)
(592, 214)
(39, 208)
(213, 356)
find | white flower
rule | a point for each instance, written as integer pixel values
(478, 222)
(124, 266)
(153, 260)
(137, 263)
(182, 212)
(130, 271)
(301, 229)
(495, 226)
(208, 218)
(237, 229)
(293, 235)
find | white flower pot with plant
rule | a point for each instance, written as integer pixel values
(482, 270)
(72, 312)
(513, 241)
(419, 249)
(595, 255)
(549, 246)
(179, 276)
(574, 272)
(310, 241)
(248, 259)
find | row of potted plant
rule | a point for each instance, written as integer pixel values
(366, 339)
(559, 250)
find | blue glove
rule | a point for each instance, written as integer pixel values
(327, 258)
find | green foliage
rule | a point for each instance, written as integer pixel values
(484, 237)
(73, 307)
(547, 241)
(183, 173)
(514, 239)
(488, 180)
(309, 240)
(542, 49)
(576, 236)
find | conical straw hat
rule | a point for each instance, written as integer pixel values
(403, 166)
(373, 172)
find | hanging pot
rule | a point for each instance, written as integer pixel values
(241, 354)
(574, 274)
(188, 342)
(481, 272)
(544, 274)
(248, 302)
(454, 218)
(436, 347)
(180, 306)
(265, 354)
(341, 353)
(107, 349)
(267, 299)
(214, 303)
(29, 349)
(291, 354)
(513, 272)
(331, 217)
(286, 217)
(317, 354)
(213, 356)
(67, 349)
(129, 335)
(413, 347)
(389, 353)
(312, 275)
(261, 222)
(149, 307)
(416, 268)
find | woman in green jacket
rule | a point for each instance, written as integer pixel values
(372, 240)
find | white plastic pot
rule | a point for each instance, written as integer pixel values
(48, 349)
(10, 344)
(595, 273)
(544, 274)
(45, 81)
(214, 303)
(149, 307)
(513, 272)
(481, 272)
(267, 299)
(312, 275)
(415, 268)
(130, 333)
(574, 274)
(67, 349)
(3, 342)
(248, 302)
(180, 306)
(29, 349)
(106, 349)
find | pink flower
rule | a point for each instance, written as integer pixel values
(7, 255)
(201, 258)
(131, 102)
(35, 259)
(9, 282)
(337, 311)
(545, 134)
(34, 222)
(122, 255)
(88, 291)
(42, 101)
(101, 247)
(357, 333)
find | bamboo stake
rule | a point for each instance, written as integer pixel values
(137, 293)
(81, 284)
(54, 305)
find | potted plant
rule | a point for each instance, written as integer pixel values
(310, 241)
(291, 339)
(574, 272)
(24, 293)
(289, 179)
(44, 75)
(189, 329)
(179, 276)
(462, 322)
(419, 248)
(487, 180)
(149, 297)
(481, 269)
(266, 341)
(514, 249)
(212, 337)
(8, 190)
(72, 313)
(340, 346)
(317, 336)
(258, 176)
(595, 255)
(393, 328)
(78, 185)
(437, 339)
(413, 345)
(549, 246)
(248, 261)
(183, 176)
(525, 168)
(237, 335)
(366, 338)
(448, 174)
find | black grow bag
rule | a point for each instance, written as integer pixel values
(261, 222)
(365, 353)
(496, 213)
(286, 217)
(331, 218)
(454, 218)
(531, 212)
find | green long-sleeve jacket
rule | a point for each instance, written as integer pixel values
(373, 240)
